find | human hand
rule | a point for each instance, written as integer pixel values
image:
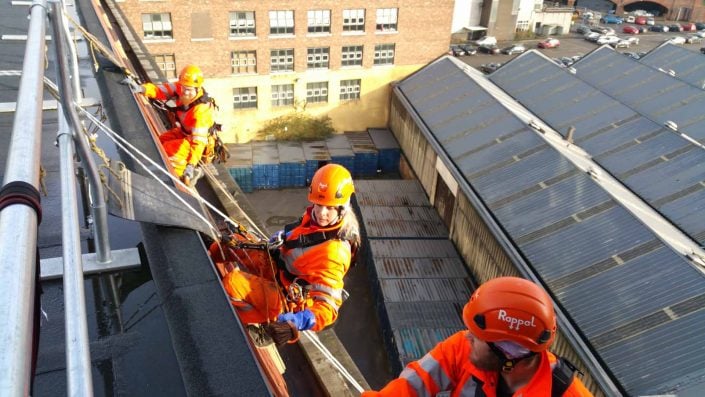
(134, 87)
(303, 320)
(188, 172)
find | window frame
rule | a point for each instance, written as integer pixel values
(382, 59)
(352, 61)
(352, 27)
(350, 89)
(320, 25)
(287, 100)
(321, 96)
(282, 16)
(312, 63)
(287, 54)
(152, 23)
(387, 20)
(245, 30)
(163, 63)
(240, 94)
(250, 66)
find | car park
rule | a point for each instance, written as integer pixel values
(602, 30)
(610, 18)
(592, 36)
(643, 29)
(659, 28)
(582, 29)
(469, 50)
(487, 40)
(675, 27)
(630, 29)
(488, 49)
(456, 51)
(549, 43)
(689, 27)
(611, 40)
(514, 49)
(640, 20)
(677, 40)
(633, 40)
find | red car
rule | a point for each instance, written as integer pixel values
(689, 27)
(630, 30)
(640, 20)
(549, 43)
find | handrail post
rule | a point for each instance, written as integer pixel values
(18, 222)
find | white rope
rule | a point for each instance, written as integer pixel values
(122, 143)
(314, 339)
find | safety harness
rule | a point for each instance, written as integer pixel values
(563, 373)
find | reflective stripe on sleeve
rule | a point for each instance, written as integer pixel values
(415, 382)
(435, 371)
(469, 388)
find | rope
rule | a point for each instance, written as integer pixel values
(125, 145)
(341, 369)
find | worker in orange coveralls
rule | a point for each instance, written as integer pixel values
(313, 257)
(504, 353)
(186, 142)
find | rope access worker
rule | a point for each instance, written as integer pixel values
(193, 118)
(511, 324)
(314, 255)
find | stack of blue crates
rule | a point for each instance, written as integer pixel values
(239, 165)
(340, 151)
(292, 165)
(388, 149)
(366, 156)
(265, 165)
(316, 155)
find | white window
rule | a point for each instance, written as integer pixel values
(318, 58)
(386, 20)
(244, 62)
(245, 97)
(157, 26)
(167, 64)
(384, 54)
(242, 24)
(351, 56)
(354, 20)
(522, 26)
(281, 22)
(319, 21)
(317, 92)
(349, 89)
(282, 95)
(282, 60)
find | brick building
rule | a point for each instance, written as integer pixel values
(266, 58)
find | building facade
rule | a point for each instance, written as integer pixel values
(263, 59)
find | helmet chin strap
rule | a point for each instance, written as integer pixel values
(508, 364)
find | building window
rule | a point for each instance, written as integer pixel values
(245, 98)
(354, 20)
(384, 54)
(157, 26)
(282, 60)
(317, 92)
(319, 21)
(281, 22)
(242, 24)
(352, 55)
(349, 89)
(317, 58)
(282, 95)
(386, 20)
(244, 62)
(167, 64)
(522, 26)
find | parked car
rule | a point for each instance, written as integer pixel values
(514, 49)
(456, 51)
(611, 18)
(629, 19)
(582, 29)
(630, 29)
(550, 43)
(643, 29)
(677, 40)
(611, 40)
(640, 20)
(633, 40)
(490, 67)
(469, 50)
(650, 21)
(689, 27)
(700, 25)
(693, 39)
(602, 30)
(622, 43)
(675, 27)
(659, 28)
(487, 40)
(488, 49)
(700, 33)
(592, 36)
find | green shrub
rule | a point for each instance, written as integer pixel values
(296, 126)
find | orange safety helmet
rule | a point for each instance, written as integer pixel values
(332, 186)
(512, 309)
(191, 76)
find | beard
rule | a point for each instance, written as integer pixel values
(487, 362)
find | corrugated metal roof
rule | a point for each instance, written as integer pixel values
(688, 65)
(383, 138)
(420, 268)
(571, 231)
(425, 290)
(412, 249)
(265, 153)
(648, 158)
(402, 193)
(240, 155)
(316, 150)
(290, 152)
(389, 185)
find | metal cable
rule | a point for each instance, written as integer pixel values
(341, 369)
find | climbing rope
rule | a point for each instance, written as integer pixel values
(329, 356)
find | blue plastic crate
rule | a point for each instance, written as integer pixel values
(243, 178)
(388, 148)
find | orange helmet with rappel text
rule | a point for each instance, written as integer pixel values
(332, 186)
(512, 309)
(191, 76)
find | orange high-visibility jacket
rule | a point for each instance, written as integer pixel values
(321, 266)
(195, 120)
(447, 367)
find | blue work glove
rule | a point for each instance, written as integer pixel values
(134, 87)
(188, 172)
(303, 320)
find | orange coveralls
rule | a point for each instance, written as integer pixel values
(185, 144)
(319, 269)
(447, 367)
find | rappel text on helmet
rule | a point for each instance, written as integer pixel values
(515, 323)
